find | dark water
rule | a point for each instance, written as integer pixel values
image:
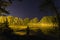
(9, 36)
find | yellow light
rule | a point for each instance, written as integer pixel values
(20, 33)
(2, 19)
(16, 24)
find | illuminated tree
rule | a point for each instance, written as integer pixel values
(10, 20)
(51, 6)
(26, 21)
(35, 20)
(21, 21)
(15, 21)
(49, 26)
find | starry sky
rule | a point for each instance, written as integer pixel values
(29, 8)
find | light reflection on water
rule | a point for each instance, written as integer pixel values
(43, 25)
(44, 29)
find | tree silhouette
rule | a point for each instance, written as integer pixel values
(50, 4)
(3, 5)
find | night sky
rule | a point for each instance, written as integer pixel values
(29, 8)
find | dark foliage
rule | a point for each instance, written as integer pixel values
(50, 4)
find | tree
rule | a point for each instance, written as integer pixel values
(35, 20)
(26, 21)
(50, 4)
(21, 21)
(16, 21)
(52, 7)
(3, 5)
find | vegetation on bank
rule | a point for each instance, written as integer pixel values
(45, 24)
